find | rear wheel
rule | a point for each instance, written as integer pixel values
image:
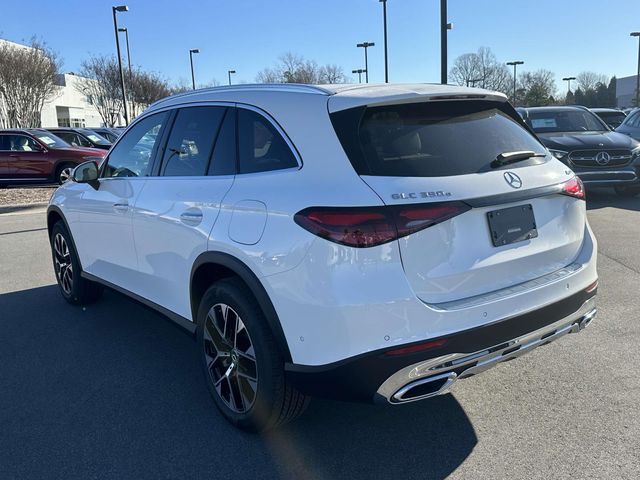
(628, 191)
(75, 289)
(63, 172)
(243, 368)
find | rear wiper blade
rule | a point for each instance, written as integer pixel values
(511, 157)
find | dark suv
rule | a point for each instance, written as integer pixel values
(81, 137)
(580, 139)
(37, 156)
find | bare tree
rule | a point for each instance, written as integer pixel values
(481, 69)
(293, 68)
(27, 81)
(146, 88)
(332, 73)
(100, 82)
(590, 80)
(536, 88)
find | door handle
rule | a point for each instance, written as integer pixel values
(191, 217)
(121, 207)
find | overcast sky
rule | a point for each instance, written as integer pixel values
(564, 36)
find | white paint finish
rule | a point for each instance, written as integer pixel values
(345, 301)
(464, 187)
(103, 231)
(172, 222)
(456, 259)
(248, 219)
(342, 301)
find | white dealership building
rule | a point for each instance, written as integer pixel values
(69, 106)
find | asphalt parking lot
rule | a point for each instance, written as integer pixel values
(115, 391)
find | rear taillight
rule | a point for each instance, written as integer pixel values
(574, 188)
(364, 227)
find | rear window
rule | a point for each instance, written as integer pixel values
(430, 139)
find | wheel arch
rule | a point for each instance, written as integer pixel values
(55, 215)
(210, 267)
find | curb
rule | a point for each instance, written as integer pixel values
(22, 209)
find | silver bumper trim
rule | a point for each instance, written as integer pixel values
(397, 388)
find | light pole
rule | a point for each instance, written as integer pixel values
(193, 78)
(229, 72)
(126, 34)
(366, 45)
(444, 26)
(384, 21)
(637, 34)
(515, 66)
(115, 10)
(359, 71)
(473, 81)
(568, 80)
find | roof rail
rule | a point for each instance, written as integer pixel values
(280, 87)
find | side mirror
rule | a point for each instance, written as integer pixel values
(87, 172)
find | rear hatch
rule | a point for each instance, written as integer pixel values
(522, 222)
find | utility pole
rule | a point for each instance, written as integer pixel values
(515, 66)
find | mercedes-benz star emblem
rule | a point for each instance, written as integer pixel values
(602, 158)
(512, 179)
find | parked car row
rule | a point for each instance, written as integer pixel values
(36, 155)
(585, 142)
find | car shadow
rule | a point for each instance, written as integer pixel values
(113, 391)
(606, 197)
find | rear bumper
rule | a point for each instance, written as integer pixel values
(380, 377)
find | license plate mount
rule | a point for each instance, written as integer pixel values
(512, 225)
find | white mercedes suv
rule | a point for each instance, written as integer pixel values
(360, 242)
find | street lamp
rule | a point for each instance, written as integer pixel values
(359, 71)
(120, 8)
(473, 81)
(568, 80)
(366, 45)
(444, 26)
(126, 34)
(229, 72)
(193, 78)
(384, 21)
(515, 66)
(637, 34)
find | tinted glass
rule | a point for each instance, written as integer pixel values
(223, 161)
(95, 137)
(51, 140)
(191, 141)
(131, 157)
(18, 143)
(613, 119)
(547, 121)
(430, 139)
(260, 147)
(632, 120)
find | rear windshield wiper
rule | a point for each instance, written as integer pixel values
(511, 157)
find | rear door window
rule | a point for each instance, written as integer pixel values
(430, 139)
(191, 141)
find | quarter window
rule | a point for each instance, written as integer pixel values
(191, 141)
(132, 155)
(260, 147)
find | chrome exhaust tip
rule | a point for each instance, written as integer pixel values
(425, 388)
(584, 321)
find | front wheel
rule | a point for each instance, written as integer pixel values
(75, 289)
(242, 365)
(628, 191)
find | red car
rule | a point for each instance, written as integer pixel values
(38, 156)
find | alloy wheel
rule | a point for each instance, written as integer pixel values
(65, 174)
(64, 267)
(230, 358)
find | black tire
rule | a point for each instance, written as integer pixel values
(63, 172)
(75, 289)
(628, 191)
(274, 400)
